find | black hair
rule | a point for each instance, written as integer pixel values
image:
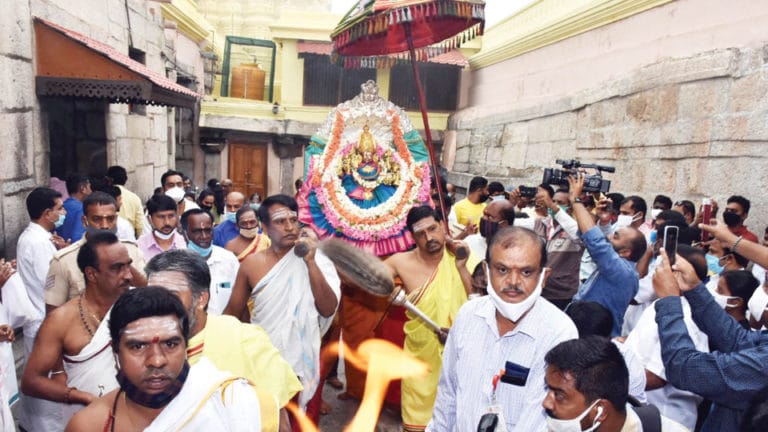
(590, 318)
(673, 218)
(255, 194)
(205, 193)
(184, 220)
(510, 236)
(168, 174)
(477, 183)
(243, 210)
(160, 202)
(495, 187)
(741, 283)
(284, 200)
(40, 200)
(696, 257)
(418, 213)
(741, 260)
(638, 204)
(139, 303)
(75, 182)
(637, 245)
(597, 366)
(616, 198)
(98, 198)
(508, 214)
(740, 200)
(688, 207)
(663, 200)
(87, 256)
(192, 265)
(549, 189)
(298, 183)
(118, 175)
(110, 190)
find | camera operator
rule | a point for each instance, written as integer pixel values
(615, 282)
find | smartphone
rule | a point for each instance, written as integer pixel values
(670, 242)
(706, 216)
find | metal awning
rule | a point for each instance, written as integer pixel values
(70, 64)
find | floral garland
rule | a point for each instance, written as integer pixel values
(375, 223)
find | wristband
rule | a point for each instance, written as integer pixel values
(736, 243)
(578, 200)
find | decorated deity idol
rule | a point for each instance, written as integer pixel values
(365, 168)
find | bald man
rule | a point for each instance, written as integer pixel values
(227, 229)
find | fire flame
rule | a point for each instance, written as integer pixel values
(385, 362)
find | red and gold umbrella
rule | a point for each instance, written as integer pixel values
(378, 33)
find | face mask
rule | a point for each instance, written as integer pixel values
(249, 233)
(163, 236)
(176, 193)
(623, 221)
(574, 425)
(255, 206)
(757, 303)
(484, 198)
(230, 216)
(513, 311)
(713, 264)
(153, 401)
(488, 228)
(206, 208)
(204, 252)
(60, 221)
(89, 230)
(722, 300)
(498, 197)
(655, 213)
(653, 237)
(731, 219)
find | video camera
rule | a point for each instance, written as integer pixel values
(592, 183)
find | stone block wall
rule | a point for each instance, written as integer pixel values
(686, 127)
(140, 143)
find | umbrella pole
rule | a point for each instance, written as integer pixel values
(425, 118)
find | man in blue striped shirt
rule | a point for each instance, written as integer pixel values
(509, 330)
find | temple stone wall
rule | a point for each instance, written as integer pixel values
(689, 126)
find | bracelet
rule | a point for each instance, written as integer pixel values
(68, 394)
(578, 200)
(736, 243)
(57, 372)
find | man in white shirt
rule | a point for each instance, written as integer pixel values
(33, 256)
(510, 329)
(197, 225)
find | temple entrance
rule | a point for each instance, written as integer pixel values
(248, 168)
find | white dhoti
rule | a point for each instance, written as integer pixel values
(284, 306)
(93, 369)
(211, 400)
(9, 389)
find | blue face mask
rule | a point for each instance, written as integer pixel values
(713, 264)
(653, 237)
(197, 249)
(230, 216)
(255, 206)
(60, 221)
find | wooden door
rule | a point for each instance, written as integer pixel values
(248, 168)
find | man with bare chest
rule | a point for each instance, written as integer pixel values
(77, 331)
(292, 298)
(438, 283)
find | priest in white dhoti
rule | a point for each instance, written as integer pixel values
(78, 333)
(292, 295)
(159, 391)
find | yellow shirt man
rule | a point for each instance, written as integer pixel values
(468, 212)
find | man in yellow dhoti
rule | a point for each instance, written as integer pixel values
(438, 283)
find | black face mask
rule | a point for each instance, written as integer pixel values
(731, 219)
(488, 228)
(484, 198)
(206, 208)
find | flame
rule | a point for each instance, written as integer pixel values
(384, 362)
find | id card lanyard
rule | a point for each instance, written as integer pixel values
(495, 407)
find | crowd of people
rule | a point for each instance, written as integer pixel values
(556, 309)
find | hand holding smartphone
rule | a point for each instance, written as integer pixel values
(670, 242)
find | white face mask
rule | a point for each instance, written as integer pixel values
(176, 193)
(722, 300)
(623, 221)
(514, 311)
(757, 303)
(574, 425)
(655, 213)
